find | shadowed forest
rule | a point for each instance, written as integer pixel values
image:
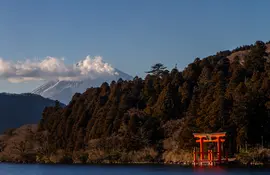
(153, 119)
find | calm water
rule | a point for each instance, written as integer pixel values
(12, 169)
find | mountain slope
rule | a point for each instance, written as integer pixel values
(20, 109)
(153, 120)
(211, 95)
(64, 90)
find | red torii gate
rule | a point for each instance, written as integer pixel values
(209, 137)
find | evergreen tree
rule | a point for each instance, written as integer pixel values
(157, 69)
(217, 93)
(256, 58)
(57, 104)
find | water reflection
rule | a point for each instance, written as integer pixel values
(12, 169)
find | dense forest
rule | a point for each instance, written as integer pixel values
(153, 119)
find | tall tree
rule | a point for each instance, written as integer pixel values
(256, 57)
(157, 69)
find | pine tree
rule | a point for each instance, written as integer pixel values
(157, 69)
(254, 62)
(57, 104)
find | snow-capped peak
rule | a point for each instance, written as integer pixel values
(63, 90)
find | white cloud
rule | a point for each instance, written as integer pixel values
(54, 68)
(23, 79)
(54, 65)
(5, 68)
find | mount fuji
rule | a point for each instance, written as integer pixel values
(63, 90)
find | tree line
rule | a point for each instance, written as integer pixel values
(163, 110)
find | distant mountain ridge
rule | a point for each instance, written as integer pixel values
(63, 90)
(28, 109)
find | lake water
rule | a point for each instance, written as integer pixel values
(17, 169)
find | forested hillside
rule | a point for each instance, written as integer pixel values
(153, 119)
(21, 109)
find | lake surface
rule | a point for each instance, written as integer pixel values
(17, 169)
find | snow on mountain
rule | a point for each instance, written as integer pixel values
(63, 90)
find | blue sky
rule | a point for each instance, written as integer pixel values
(131, 35)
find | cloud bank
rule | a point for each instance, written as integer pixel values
(51, 68)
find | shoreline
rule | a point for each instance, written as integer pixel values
(228, 165)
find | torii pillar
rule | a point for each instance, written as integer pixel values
(201, 148)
